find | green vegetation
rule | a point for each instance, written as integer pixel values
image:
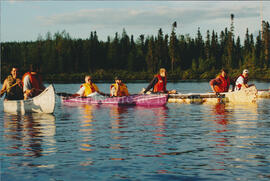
(63, 59)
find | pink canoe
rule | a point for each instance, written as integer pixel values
(135, 100)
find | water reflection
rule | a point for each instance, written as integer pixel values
(221, 117)
(86, 127)
(119, 116)
(30, 135)
(244, 114)
(159, 123)
(232, 130)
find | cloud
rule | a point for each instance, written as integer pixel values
(156, 16)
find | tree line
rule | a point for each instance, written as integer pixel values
(63, 58)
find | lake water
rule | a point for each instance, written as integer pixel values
(174, 142)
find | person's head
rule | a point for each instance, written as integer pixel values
(117, 80)
(34, 68)
(224, 72)
(245, 72)
(87, 79)
(162, 72)
(14, 72)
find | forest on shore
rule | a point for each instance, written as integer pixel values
(65, 59)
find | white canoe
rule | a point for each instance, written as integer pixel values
(244, 96)
(264, 93)
(43, 103)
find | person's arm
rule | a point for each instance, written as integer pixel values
(151, 84)
(3, 88)
(27, 88)
(214, 82)
(80, 92)
(26, 84)
(240, 81)
(126, 91)
(112, 91)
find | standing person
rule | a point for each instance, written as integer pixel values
(32, 82)
(12, 86)
(159, 83)
(242, 81)
(118, 88)
(87, 88)
(221, 83)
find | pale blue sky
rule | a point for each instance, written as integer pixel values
(25, 20)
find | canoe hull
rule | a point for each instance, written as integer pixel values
(264, 94)
(133, 100)
(248, 95)
(43, 103)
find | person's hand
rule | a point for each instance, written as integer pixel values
(1, 93)
(142, 91)
(18, 81)
(28, 92)
(172, 91)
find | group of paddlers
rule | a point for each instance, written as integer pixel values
(31, 84)
(158, 84)
(222, 82)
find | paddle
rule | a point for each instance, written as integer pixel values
(2, 92)
(64, 94)
(263, 89)
(104, 94)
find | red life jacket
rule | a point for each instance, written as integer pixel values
(224, 86)
(35, 80)
(245, 81)
(160, 86)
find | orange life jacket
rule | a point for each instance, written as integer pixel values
(123, 91)
(89, 88)
(160, 86)
(224, 86)
(35, 80)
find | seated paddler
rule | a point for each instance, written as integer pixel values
(221, 83)
(12, 86)
(118, 88)
(159, 83)
(32, 82)
(88, 88)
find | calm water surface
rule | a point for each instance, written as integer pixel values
(174, 142)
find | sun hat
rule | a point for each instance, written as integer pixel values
(245, 71)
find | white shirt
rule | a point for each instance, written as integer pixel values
(240, 80)
(26, 83)
(113, 91)
(81, 91)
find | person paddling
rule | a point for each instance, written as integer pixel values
(87, 88)
(159, 83)
(221, 83)
(12, 86)
(32, 82)
(118, 88)
(242, 81)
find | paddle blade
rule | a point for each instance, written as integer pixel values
(64, 94)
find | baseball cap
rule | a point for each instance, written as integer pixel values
(245, 71)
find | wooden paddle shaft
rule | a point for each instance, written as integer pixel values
(2, 92)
